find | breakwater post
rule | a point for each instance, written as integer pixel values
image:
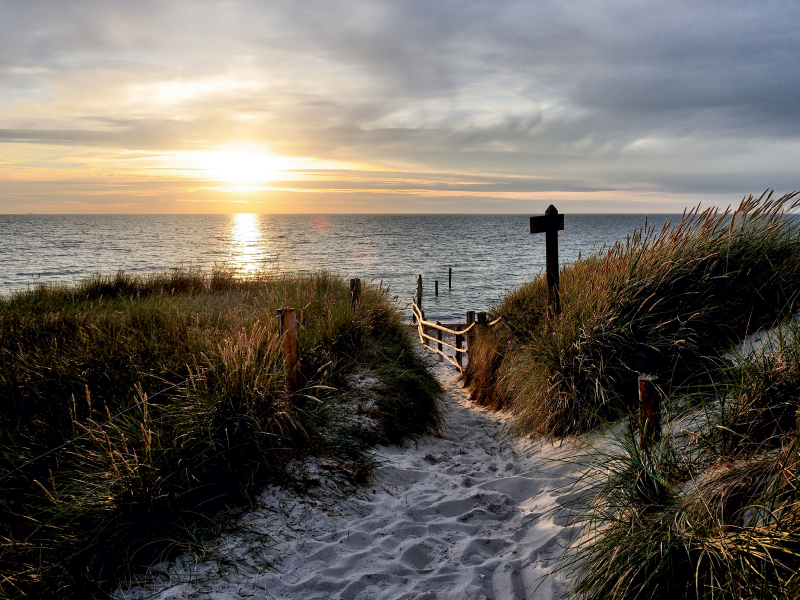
(450, 278)
(436, 288)
(550, 224)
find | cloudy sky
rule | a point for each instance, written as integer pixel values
(453, 106)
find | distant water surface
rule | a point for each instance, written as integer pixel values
(489, 254)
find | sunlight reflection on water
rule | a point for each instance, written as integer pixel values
(248, 252)
(488, 254)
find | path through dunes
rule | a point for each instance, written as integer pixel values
(452, 517)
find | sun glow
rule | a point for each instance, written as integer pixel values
(241, 167)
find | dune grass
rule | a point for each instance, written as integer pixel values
(154, 480)
(663, 302)
(713, 509)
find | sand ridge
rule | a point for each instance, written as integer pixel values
(464, 515)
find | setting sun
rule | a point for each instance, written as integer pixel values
(238, 166)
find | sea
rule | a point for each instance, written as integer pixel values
(488, 255)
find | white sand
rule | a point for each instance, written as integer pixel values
(465, 515)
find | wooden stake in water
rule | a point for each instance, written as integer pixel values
(550, 224)
(436, 288)
(450, 278)
(291, 348)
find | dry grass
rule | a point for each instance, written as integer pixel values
(153, 481)
(663, 302)
(712, 513)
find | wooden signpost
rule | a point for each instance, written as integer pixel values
(550, 224)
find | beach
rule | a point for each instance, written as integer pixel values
(467, 514)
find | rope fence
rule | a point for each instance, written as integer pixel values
(288, 332)
(469, 327)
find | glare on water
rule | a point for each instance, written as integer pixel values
(488, 254)
(247, 247)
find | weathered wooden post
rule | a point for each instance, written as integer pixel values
(436, 288)
(550, 224)
(482, 318)
(425, 341)
(649, 411)
(450, 278)
(459, 343)
(418, 297)
(355, 293)
(470, 334)
(291, 348)
(439, 337)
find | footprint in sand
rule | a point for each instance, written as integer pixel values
(464, 515)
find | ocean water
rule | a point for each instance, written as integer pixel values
(488, 254)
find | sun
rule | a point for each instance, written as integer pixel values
(233, 166)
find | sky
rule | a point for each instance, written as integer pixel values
(395, 106)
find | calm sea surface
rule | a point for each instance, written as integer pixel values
(489, 254)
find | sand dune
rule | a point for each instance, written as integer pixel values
(464, 515)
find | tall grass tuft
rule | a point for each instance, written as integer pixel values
(151, 482)
(664, 302)
(713, 510)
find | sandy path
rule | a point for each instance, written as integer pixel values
(458, 516)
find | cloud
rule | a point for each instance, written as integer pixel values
(680, 97)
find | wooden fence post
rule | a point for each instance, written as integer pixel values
(425, 341)
(355, 293)
(291, 348)
(471, 333)
(482, 318)
(649, 411)
(459, 343)
(419, 292)
(439, 337)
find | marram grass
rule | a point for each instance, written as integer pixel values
(153, 481)
(664, 303)
(713, 510)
